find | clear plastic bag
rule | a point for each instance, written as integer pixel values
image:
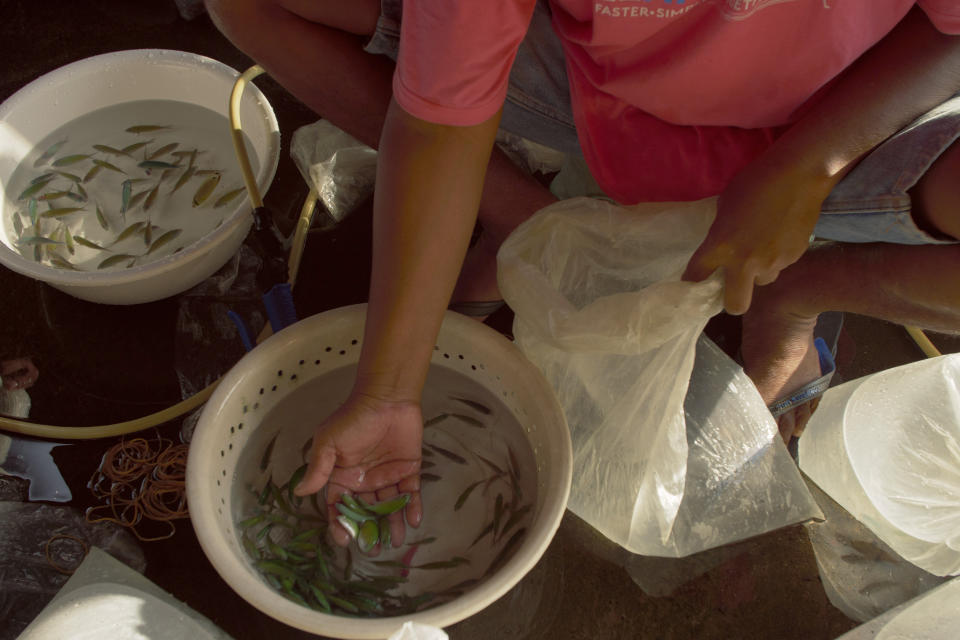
(601, 310)
(341, 168)
(886, 447)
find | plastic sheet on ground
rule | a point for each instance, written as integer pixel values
(28, 580)
(601, 310)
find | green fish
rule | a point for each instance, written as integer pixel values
(88, 243)
(37, 241)
(90, 175)
(228, 197)
(205, 190)
(49, 153)
(130, 148)
(151, 197)
(167, 148)
(115, 260)
(146, 128)
(166, 238)
(17, 225)
(184, 177)
(69, 176)
(71, 159)
(34, 189)
(102, 219)
(110, 150)
(156, 164)
(68, 239)
(129, 231)
(59, 212)
(108, 165)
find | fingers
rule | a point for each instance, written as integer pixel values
(321, 465)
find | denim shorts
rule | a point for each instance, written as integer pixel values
(871, 203)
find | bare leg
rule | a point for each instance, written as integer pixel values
(912, 285)
(314, 49)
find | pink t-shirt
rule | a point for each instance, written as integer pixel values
(671, 97)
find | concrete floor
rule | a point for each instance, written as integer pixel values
(766, 587)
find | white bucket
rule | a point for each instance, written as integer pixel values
(886, 447)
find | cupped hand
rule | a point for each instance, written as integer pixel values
(765, 219)
(370, 448)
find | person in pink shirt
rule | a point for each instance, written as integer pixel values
(834, 119)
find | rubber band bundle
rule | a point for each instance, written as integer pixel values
(141, 480)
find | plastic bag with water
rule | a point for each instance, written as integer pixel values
(601, 310)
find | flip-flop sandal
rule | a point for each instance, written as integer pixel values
(477, 309)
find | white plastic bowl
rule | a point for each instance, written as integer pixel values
(265, 379)
(66, 93)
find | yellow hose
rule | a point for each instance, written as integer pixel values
(923, 342)
(185, 406)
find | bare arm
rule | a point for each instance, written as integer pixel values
(429, 182)
(767, 213)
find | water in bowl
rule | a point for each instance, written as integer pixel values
(123, 185)
(478, 492)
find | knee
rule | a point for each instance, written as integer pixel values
(238, 19)
(936, 196)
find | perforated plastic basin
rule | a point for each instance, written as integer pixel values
(57, 98)
(280, 390)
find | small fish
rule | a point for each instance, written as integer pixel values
(426, 540)
(167, 148)
(129, 231)
(354, 515)
(72, 177)
(466, 494)
(32, 210)
(110, 150)
(265, 459)
(71, 159)
(126, 189)
(490, 464)
(184, 177)
(90, 175)
(115, 260)
(456, 561)
(228, 197)
(208, 172)
(302, 469)
(37, 241)
(68, 240)
(34, 189)
(17, 225)
(59, 212)
(61, 263)
(505, 551)
(470, 420)
(515, 518)
(88, 243)
(429, 477)
(205, 190)
(166, 238)
(146, 128)
(151, 197)
(108, 165)
(450, 455)
(434, 420)
(130, 148)
(49, 153)
(474, 405)
(136, 199)
(368, 536)
(393, 505)
(102, 219)
(53, 195)
(156, 164)
(349, 526)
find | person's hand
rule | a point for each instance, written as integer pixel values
(18, 373)
(369, 448)
(765, 218)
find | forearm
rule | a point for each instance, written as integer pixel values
(429, 182)
(910, 71)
